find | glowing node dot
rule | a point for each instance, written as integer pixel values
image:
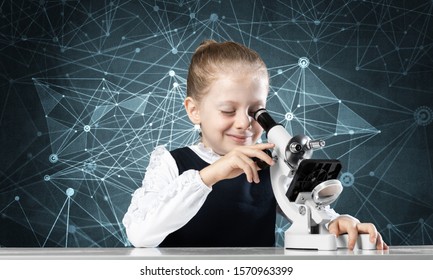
(171, 73)
(347, 179)
(17, 198)
(371, 173)
(289, 116)
(174, 51)
(196, 127)
(87, 128)
(423, 115)
(175, 84)
(137, 50)
(192, 15)
(303, 62)
(155, 8)
(280, 71)
(70, 192)
(213, 17)
(53, 158)
(72, 229)
(89, 166)
(351, 132)
(47, 178)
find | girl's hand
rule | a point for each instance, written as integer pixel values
(351, 226)
(236, 162)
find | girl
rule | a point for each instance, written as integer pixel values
(213, 193)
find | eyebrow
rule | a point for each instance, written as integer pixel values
(229, 102)
(222, 103)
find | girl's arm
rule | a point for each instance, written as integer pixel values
(165, 202)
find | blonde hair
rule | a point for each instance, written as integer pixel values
(212, 58)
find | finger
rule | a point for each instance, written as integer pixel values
(333, 229)
(263, 146)
(353, 237)
(249, 168)
(260, 154)
(370, 229)
(380, 245)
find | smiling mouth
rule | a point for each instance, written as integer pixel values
(240, 138)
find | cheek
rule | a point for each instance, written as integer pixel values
(218, 123)
(257, 129)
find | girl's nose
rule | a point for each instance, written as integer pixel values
(243, 121)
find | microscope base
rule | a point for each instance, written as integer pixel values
(363, 242)
(325, 242)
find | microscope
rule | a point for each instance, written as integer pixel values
(304, 187)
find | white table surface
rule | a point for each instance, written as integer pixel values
(395, 252)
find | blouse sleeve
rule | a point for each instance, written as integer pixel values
(165, 202)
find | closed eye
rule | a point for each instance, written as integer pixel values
(228, 112)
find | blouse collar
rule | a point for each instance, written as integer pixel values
(205, 153)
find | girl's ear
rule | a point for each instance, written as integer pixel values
(192, 109)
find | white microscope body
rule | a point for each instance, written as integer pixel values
(305, 208)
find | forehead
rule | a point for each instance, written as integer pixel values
(243, 86)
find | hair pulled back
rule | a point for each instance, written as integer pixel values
(212, 58)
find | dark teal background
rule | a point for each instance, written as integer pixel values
(89, 88)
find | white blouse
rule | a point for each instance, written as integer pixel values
(166, 201)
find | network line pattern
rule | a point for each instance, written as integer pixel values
(90, 88)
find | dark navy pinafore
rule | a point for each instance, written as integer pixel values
(236, 213)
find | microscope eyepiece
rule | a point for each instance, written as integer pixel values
(264, 119)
